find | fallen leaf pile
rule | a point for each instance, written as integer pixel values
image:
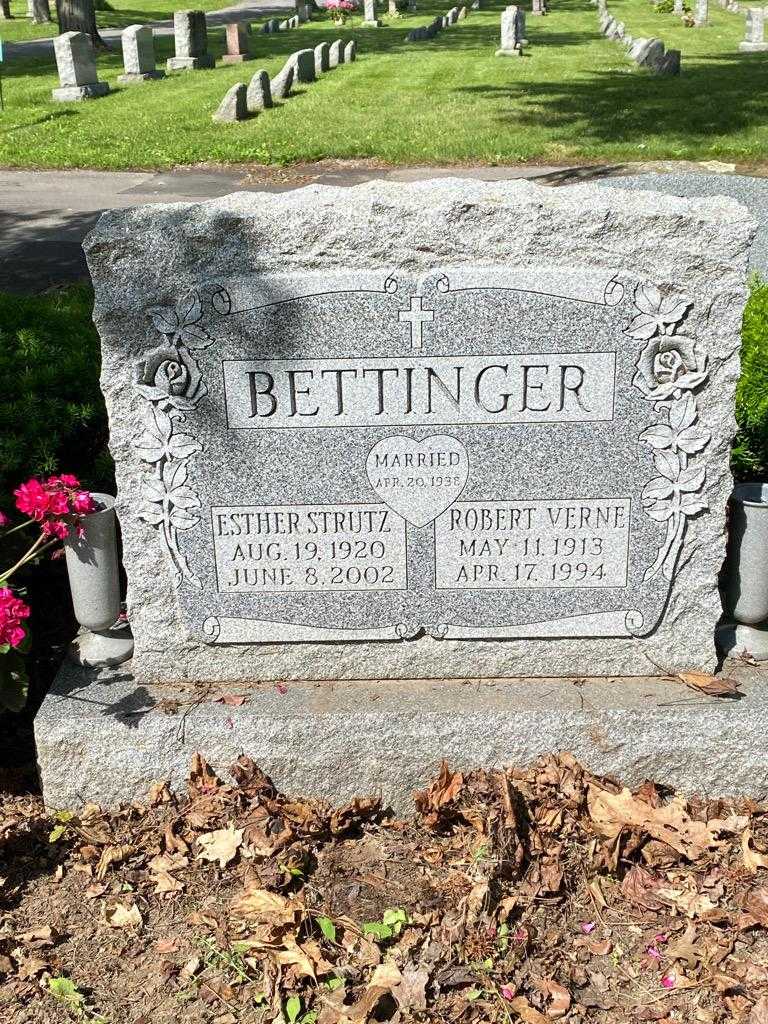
(537, 895)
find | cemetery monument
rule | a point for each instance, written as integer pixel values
(442, 431)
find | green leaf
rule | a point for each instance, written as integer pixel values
(378, 930)
(333, 983)
(328, 928)
(65, 991)
(292, 1009)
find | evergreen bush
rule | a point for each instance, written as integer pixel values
(750, 449)
(52, 414)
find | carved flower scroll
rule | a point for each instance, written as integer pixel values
(670, 367)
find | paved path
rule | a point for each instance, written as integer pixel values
(246, 10)
(44, 215)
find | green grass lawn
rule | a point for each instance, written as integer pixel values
(574, 96)
(126, 12)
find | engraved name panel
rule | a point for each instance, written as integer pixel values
(297, 548)
(569, 543)
(558, 387)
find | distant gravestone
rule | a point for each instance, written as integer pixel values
(350, 52)
(322, 58)
(303, 65)
(702, 13)
(259, 94)
(538, 7)
(511, 40)
(138, 55)
(304, 11)
(76, 64)
(754, 39)
(272, 25)
(190, 35)
(40, 12)
(679, 7)
(336, 53)
(234, 106)
(238, 42)
(462, 13)
(369, 11)
(282, 83)
(392, 8)
(669, 63)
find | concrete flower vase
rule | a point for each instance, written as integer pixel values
(94, 580)
(744, 580)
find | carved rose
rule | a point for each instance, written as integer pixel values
(172, 375)
(668, 365)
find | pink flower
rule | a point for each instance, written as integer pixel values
(67, 479)
(4, 520)
(660, 938)
(83, 503)
(32, 499)
(653, 952)
(56, 528)
(12, 611)
(58, 503)
(587, 927)
(669, 980)
(508, 992)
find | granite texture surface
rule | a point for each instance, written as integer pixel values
(102, 737)
(259, 94)
(75, 59)
(746, 189)
(138, 50)
(617, 317)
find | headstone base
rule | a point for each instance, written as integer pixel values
(372, 24)
(737, 640)
(137, 79)
(73, 93)
(235, 58)
(517, 52)
(753, 47)
(102, 737)
(190, 63)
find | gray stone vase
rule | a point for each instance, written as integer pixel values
(744, 580)
(94, 580)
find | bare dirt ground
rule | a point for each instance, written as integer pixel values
(537, 895)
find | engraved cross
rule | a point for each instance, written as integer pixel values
(416, 317)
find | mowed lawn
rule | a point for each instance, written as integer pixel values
(573, 96)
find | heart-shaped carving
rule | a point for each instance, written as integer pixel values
(418, 479)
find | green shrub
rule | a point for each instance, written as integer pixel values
(750, 449)
(52, 415)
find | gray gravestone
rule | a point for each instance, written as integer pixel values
(370, 20)
(373, 461)
(138, 55)
(511, 42)
(272, 25)
(234, 106)
(462, 13)
(259, 95)
(281, 84)
(669, 63)
(41, 12)
(702, 13)
(238, 43)
(303, 65)
(190, 35)
(350, 52)
(538, 7)
(754, 40)
(679, 7)
(336, 53)
(303, 11)
(322, 58)
(76, 64)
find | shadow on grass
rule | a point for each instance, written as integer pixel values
(716, 95)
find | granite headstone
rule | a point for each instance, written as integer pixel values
(138, 55)
(443, 429)
(190, 34)
(76, 64)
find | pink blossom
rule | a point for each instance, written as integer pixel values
(508, 992)
(4, 520)
(660, 938)
(83, 503)
(32, 499)
(56, 528)
(653, 952)
(520, 935)
(587, 927)
(669, 980)
(12, 611)
(58, 503)
(68, 480)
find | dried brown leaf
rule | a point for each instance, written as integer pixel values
(121, 916)
(713, 686)
(221, 845)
